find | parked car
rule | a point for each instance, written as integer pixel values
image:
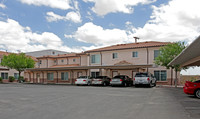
(192, 88)
(122, 80)
(101, 80)
(144, 78)
(83, 80)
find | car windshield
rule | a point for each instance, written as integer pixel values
(120, 77)
(198, 81)
(83, 77)
(141, 75)
(100, 77)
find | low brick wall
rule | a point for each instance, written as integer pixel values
(185, 78)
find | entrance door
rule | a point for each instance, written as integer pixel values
(79, 74)
(114, 73)
(95, 74)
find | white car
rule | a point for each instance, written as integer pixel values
(83, 80)
(144, 78)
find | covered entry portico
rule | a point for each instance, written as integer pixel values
(69, 74)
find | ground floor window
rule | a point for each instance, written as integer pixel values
(64, 76)
(161, 75)
(16, 75)
(49, 76)
(4, 75)
(94, 74)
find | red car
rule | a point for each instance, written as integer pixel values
(192, 88)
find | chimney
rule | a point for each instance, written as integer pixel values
(136, 38)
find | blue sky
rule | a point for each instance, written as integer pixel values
(79, 25)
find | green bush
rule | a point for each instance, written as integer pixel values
(1, 80)
(21, 79)
(11, 78)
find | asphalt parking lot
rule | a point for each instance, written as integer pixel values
(27, 101)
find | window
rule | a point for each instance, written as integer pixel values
(95, 59)
(62, 61)
(114, 55)
(40, 62)
(135, 54)
(49, 76)
(16, 75)
(156, 53)
(64, 76)
(55, 61)
(94, 74)
(53, 53)
(160, 75)
(4, 75)
(74, 60)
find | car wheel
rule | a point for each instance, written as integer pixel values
(104, 84)
(155, 84)
(150, 85)
(125, 84)
(89, 84)
(197, 93)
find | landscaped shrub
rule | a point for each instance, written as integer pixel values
(11, 78)
(1, 81)
(21, 79)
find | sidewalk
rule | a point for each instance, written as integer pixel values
(170, 86)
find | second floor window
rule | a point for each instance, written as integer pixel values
(62, 61)
(95, 59)
(40, 62)
(114, 55)
(156, 53)
(74, 60)
(135, 54)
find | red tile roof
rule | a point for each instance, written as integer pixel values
(131, 46)
(68, 65)
(62, 56)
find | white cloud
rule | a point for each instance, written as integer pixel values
(60, 4)
(91, 33)
(2, 6)
(70, 16)
(103, 7)
(176, 21)
(15, 37)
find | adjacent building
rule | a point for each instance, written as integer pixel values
(4, 71)
(45, 52)
(124, 59)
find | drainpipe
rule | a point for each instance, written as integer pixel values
(101, 58)
(171, 76)
(57, 76)
(147, 58)
(47, 62)
(80, 60)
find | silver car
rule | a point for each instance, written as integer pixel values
(144, 78)
(83, 80)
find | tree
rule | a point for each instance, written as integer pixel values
(18, 62)
(167, 54)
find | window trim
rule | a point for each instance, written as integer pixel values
(114, 55)
(135, 54)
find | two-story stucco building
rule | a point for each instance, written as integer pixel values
(124, 59)
(6, 72)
